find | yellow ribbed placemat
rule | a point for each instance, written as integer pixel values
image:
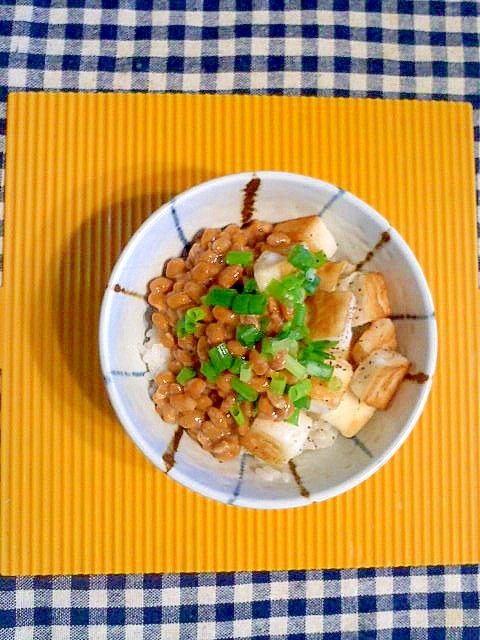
(82, 172)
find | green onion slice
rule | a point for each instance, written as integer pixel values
(250, 286)
(320, 370)
(293, 419)
(257, 304)
(220, 357)
(245, 391)
(239, 257)
(278, 384)
(235, 367)
(267, 348)
(195, 314)
(301, 258)
(237, 414)
(240, 304)
(294, 367)
(209, 371)
(250, 304)
(300, 390)
(218, 297)
(302, 403)
(311, 281)
(245, 372)
(248, 334)
(185, 374)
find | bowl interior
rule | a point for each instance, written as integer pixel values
(358, 230)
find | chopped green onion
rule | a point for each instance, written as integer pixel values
(240, 304)
(195, 314)
(293, 281)
(307, 355)
(288, 290)
(334, 384)
(302, 258)
(267, 348)
(264, 322)
(277, 290)
(286, 344)
(320, 370)
(220, 357)
(180, 328)
(236, 365)
(300, 389)
(321, 258)
(299, 315)
(293, 419)
(245, 372)
(321, 345)
(250, 286)
(294, 367)
(302, 403)
(300, 333)
(188, 323)
(185, 374)
(248, 334)
(237, 414)
(250, 304)
(239, 257)
(220, 297)
(257, 304)
(245, 391)
(315, 351)
(185, 327)
(311, 281)
(278, 384)
(209, 371)
(285, 332)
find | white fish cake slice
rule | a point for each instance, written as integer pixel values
(270, 266)
(350, 416)
(371, 295)
(330, 316)
(376, 379)
(277, 442)
(380, 334)
(311, 231)
(330, 274)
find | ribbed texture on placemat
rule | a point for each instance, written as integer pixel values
(83, 171)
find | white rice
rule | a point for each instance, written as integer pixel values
(154, 354)
(322, 435)
(269, 474)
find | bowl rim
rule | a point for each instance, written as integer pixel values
(187, 481)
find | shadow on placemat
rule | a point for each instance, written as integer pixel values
(73, 288)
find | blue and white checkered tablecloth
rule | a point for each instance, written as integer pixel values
(425, 49)
(428, 602)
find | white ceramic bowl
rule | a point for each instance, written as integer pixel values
(357, 228)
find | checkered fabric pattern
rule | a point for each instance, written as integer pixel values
(431, 602)
(425, 49)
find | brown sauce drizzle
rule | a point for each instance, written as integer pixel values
(419, 378)
(119, 289)
(409, 316)
(249, 200)
(384, 238)
(293, 470)
(169, 455)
